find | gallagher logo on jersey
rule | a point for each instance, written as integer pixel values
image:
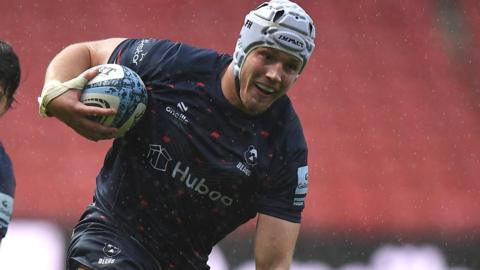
(302, 186)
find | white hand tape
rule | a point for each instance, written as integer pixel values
(54, 88)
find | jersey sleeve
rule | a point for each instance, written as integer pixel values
(140, 54)
(283, 195)
(161, 62)
(7, 190)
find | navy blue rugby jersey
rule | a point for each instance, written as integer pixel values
(7, 190)
(195, 167)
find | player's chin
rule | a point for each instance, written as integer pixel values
(256, 107)
(255, 103)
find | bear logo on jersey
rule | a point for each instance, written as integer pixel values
(251, 156)
(111, 250)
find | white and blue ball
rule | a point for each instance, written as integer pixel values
(120, 88)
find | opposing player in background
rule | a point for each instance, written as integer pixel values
(9, 81)
(219, 144)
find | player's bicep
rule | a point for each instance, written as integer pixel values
(101, 50)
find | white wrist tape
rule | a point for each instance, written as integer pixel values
(54, 88)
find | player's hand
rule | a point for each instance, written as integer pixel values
(68, 109)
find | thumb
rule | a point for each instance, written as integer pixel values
(90, 73)
(81, 80)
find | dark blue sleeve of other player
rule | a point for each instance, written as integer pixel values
(283, 195)
(7, 190)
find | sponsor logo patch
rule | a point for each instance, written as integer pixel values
(180, 116)
(6, 208)
(182, 106)
(302, 186)
(158, 157)
(183, 175)
(289, 40)
(139, 52)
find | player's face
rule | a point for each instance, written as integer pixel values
(266, 75)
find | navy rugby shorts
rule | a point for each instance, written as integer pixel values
(100, 245)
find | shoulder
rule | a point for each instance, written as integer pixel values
(164, 53)
(161, 61)
(288, 125)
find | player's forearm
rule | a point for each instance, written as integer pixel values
(273, 261)
(272, 266)
(270, 256)
(274, 243)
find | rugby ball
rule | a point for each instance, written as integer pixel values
(117, 87)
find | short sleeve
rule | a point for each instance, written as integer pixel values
(283, 194)
(7, 190)
(144, 56)
(162, 62)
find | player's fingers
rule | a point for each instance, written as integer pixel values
(94, 111)
(95, 131)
